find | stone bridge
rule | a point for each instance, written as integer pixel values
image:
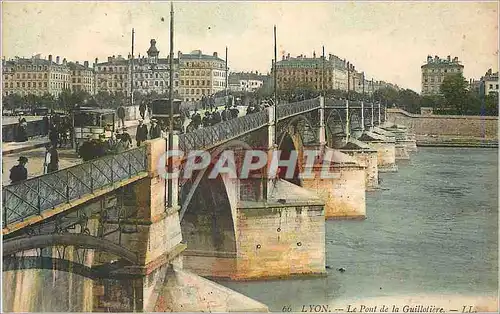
(111, 222)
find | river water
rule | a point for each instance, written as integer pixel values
(431, 231)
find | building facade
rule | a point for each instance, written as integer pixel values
(246, 81)
(304, 71)
(490, 80)
(200, 74)
(434, 72)
(82, 77)
(113, 75)
(37, 76)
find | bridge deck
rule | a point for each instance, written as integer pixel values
(44, 196)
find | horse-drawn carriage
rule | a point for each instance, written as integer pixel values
(160, 110)
(92, 123)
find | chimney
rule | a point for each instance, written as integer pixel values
(64, 61)
(110, 59)
(86, 64)
(215, 54)
(77, 62)
(314, 54)
(96, 61)
(50, 58)
(429, 59)
(436, 58)
(448, 58)
(179, 54)
(283, 57)
(455, 59)
(57, 59)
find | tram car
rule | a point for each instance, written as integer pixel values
(91, 123)
(160, 110)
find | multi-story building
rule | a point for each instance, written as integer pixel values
(200, 75)
(82, 77)
(35, 76)
(309, 72)
(150, 73)
(112, 76)
(434, 72)
(246, 81)
(490, 80)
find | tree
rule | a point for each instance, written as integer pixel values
(12, 101)
(454, 90)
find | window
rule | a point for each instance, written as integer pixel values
(12, 85)
(44, 84)
(29, 84)
(17, 75)
(45, 76)
(491, 86)
(192, 73)
(39, 84)
(156, 83)
(496, 86)
(176, 83)
(197, 83)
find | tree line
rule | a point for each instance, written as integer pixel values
(68, 100)
(456, 98)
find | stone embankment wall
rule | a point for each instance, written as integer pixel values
(471, 126)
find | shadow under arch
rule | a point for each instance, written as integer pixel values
(24, 243)
(293, 138)
(355, 125)
(335, 129)
(19, 263)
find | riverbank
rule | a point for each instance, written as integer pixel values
(455, 141)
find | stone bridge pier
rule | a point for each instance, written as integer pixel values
(118, 252)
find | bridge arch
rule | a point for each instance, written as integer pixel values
(208, 209)
(335, 128)
(296, 133)
(24, 243)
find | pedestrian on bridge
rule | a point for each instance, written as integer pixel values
(19, 172)
(154, 131)
(51, 162)
(120, 112)
(142, 110)
(142, 133)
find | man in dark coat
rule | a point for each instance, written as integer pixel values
(207, 118)
(142, 133)
(120, 112)
(196, 118)
(155, 130)
(142, 110)
(225, 115)
(53, 162)
(126, 138)
(216, 118)
(19, 172)
(54, 135)
(234, 112)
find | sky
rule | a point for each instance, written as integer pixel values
(387, 40)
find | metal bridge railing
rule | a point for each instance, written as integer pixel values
(222, 132)
(287, 110)
(34, 196)
(214, 135)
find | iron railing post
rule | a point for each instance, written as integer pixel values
(112, 172)
(91, 178)
(39, 203)
(67, 186)
(5, 208)
(129, 165)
